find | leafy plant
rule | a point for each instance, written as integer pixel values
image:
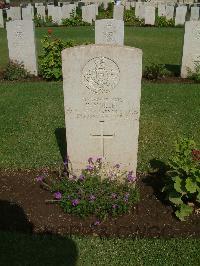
(15, 71)
(182, 182)
(44, 22)
(100, 190)
(50, 62)
(164, 22)
(155, 71)
(105, 14)
(131, 20)
(74, 20)
(195, 75)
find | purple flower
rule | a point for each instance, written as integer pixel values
(81, 177)
(117, 165)
(89, 167)
(97, 222)
(90, 160)
(130, 177)
(65, 162)
(75, 202)
(57, 195)
(114, 206)
(92, 197)
(114, 195)
(40, 178)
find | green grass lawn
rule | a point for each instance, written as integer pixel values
(160, 45)
(32, 118)
(20, 250)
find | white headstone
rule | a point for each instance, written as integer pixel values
(191, 49)
(56, 15)
(89, 13)
(161, 10)
(41, 11)
(1, 19)
(68, 10)
(118, 12)
(170, 12)
(128, 5)
(149, 15)
(109, 31)
(102, 88)
(180, 15)
(194, 13)
(21, 44)
(27, 13)
(140, 10)
(14, 13)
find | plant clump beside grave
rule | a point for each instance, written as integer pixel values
(15, 71)
(182, 181)
(50, 64)
(41, 22)
(164, 22)
(195, 75)
(131, 20)
(155, 71)
(100, 190)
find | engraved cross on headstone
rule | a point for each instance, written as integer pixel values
(102, 137)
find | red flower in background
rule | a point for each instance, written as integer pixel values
(196, 155)
(50, 31)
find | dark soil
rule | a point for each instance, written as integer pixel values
(23, 209)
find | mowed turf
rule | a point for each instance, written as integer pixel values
(32, 122)
(20, 249)
(159, 45)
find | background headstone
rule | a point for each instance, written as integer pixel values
(89, 13)
(169, 12)
(118, 12)
(191, 48)
(57, 15)
(1, 19)
(180, 15)
(194, 13)
(14, 13)
(109, 31)
(21, 44)
(102, 88)
(27, 13)
(68, 10)
(41, 11)
(149, 15)
(161, 10)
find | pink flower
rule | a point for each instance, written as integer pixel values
(40, 178)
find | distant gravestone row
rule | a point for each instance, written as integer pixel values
(143, 10)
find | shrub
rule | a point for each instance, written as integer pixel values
(105, 14)
(195, 75)
(164, 22)
(97, 191)
(182, 182)
(155, 71)
(131, 20)
(15, 71)
(41, 22)
(50, 63)
(74, 21)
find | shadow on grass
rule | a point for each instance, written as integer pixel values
(155, 178)
(175, 69)
(20, 246)
(60, 134)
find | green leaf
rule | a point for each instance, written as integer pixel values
(175, 198)
(191, 185)
(178, 184)
(183, 211)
